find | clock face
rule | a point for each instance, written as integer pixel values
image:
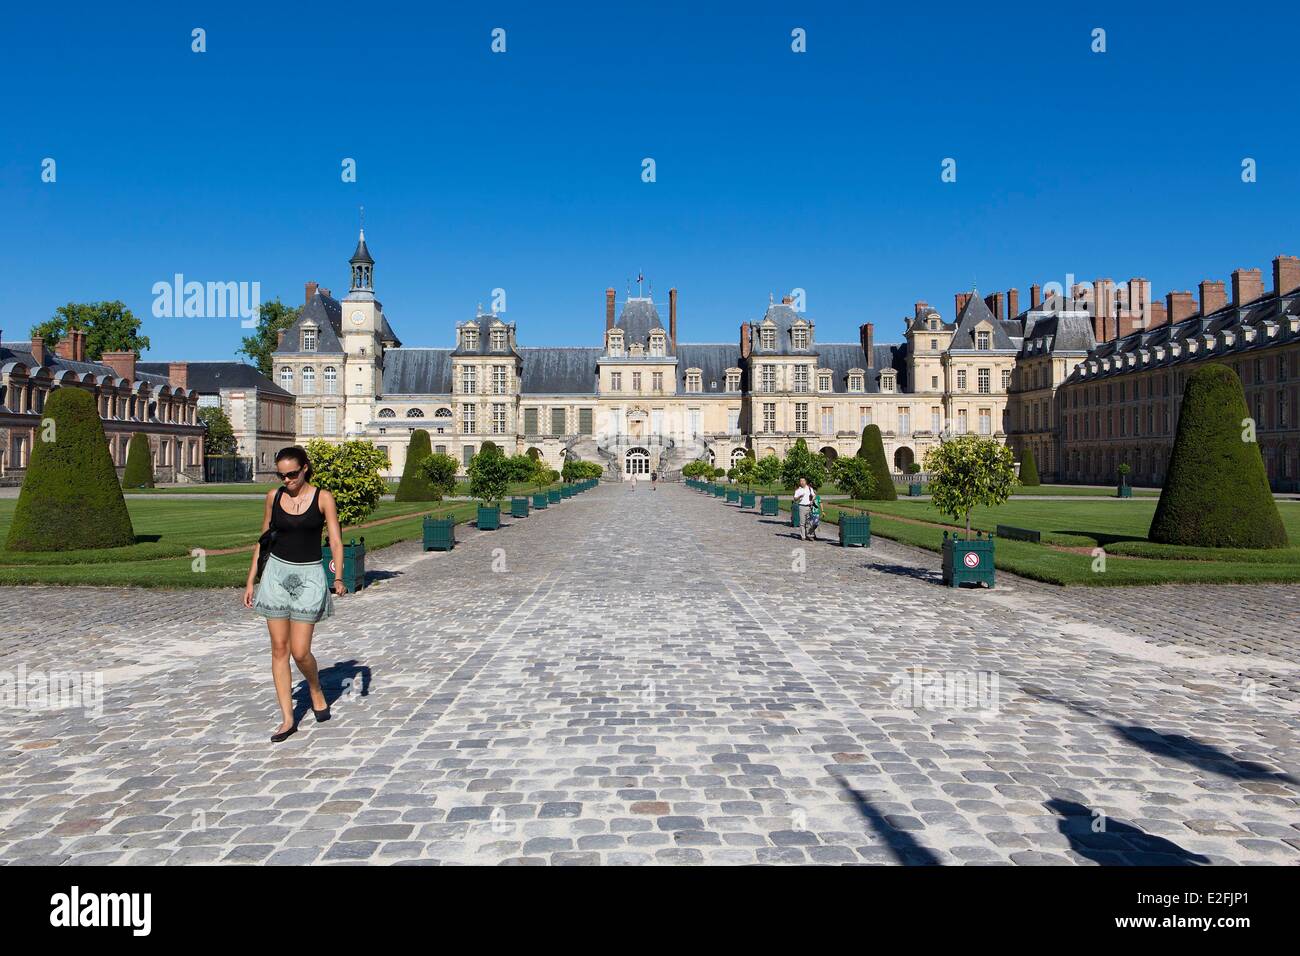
(358, 317)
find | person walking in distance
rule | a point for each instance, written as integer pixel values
(803, 499)
(654, 479)
(292, 593)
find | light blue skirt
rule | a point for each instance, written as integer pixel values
(298, 592)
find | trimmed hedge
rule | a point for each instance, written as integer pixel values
(873, 450)
(70, 498)
(139, 463)
(1029, 469)
(415, 484)
(1216, 492)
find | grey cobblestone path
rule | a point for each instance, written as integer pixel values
(648, 677)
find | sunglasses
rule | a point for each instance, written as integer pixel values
(289, 475)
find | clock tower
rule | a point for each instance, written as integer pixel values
(362, 333)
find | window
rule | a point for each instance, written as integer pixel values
(936, 420)
(934, 325)
(414, 413)
(498, 418)
(693, 382)
(309, 381)
(961, 380)
(733, 380)
(934, 383)
(983, 341)
(467, 419)
(656, 421)
(934, 345)
(331, 380)
(636, 381)
(961, 421)
(801, 417)
(657, 343)
(309, 421)
(864, 416)
(308, 339)
(886, 381)
(558, 424)
(1282, 410)
(286, 378)
(986, 421)
(657, 379)
(498, 340)
(824, 382)
(498, 379)
(982, 381)
(733, 421)
(855, 382)
(585, 417)
(801, 378)
(331, 421)
(696, 422)
(468, 453)
(615, 343)
(767, 338)
(828, 420)
(769, 416)
(1006, 378)
(530, 421)
(768, 381)
(616, 381)
(468, 379)
(799, 337)
(469, 339)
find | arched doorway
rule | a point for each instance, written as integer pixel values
(736, 455)
(636, 462)
(903, 459)
(829, 454)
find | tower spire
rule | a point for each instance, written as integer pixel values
(363, 264)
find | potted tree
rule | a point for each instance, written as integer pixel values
(439, 473)
(801, 463)
(350, 472)
(746, 470)
(769, 473)
(856, 477)
(489, 479)
(964, 472)
(914, 486)
(733, 493)
(1123, 490)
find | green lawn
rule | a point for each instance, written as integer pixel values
(1070, 491)
(259, 490)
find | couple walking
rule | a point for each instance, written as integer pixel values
(810, 509)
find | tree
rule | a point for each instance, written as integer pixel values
(719, 472)
(769, 470)
(139, 463)
(855, 477)
(414, 486)
(801, 463)
(575, 469)
(109, 327)
(522, 468)
(746, 472)
(489, 474)
(350, 472)
(218, 433)
(873, 450)
(70, 497)
(1216, 492)
(440, 472)
(272, 319)
(491, 446)
(1028, 468)
(697, 469)
(967, 471)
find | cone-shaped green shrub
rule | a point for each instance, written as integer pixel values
(415, 484)
(70, 498)
(873, 450)
(1028, 468)
(1216, 492)
(139, 463)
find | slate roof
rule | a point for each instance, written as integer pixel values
(326, 312)
(484, 322)
(713, 360)
(972, 314)
(21, 352)
(1057, 332)
(417, 372)
(362, 254)
(783, 317)
(559, 371)
(637, 320)
(208, 378)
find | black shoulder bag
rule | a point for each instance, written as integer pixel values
(267, 540)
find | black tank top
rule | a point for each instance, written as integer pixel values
(297, 537)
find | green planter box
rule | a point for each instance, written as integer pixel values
(1124, 491)
(733, 495)
(566, 491)
(354, 565)
(489, 517)
(747, 499)
(540, 501)
(719, 491)
(519, 507)
(855, 530)
(770, 505)
(967, 560)
(796, 516)
(554, 496)
(439, 534)
(914, 490)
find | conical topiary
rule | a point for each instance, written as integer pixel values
(1028, 468)
(139, 463)
(415, 484)
(873, 450)
(70, 498)
(1216, 492)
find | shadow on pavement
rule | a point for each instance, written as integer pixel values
(1117, 843)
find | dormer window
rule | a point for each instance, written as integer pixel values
(887, 381)
(934, 325)
(983, 341)
(657, 343)
(823, 381)
(855, 381)
(799, 337)
(469, 339)
(694, 381)
(309, 338)
(733, 380)
(498, 340)
(615, 343)
(767, 338)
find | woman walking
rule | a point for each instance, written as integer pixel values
(293, 594)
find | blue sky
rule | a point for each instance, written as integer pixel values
(522, 170)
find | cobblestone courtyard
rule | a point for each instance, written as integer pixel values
(638, 677)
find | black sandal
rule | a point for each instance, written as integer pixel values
(322, 715)
(284, 734)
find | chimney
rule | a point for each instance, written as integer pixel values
(1286, 274)
(1103, 306)
(921, 309)
(178, 373)
(609, 307)
(64, 348)
(311, 291)
(79, 345)
(961, 299)
(1136, 307)
(1158, 315)
(1213, 298)
(279, 339)
(1179, 305)
(38, 349)
(994, 301)
(122, 363)
(672, 318)
(1035, 296)
(867, 334)
(1013, 303)
(746, 344)
(1247, 286)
